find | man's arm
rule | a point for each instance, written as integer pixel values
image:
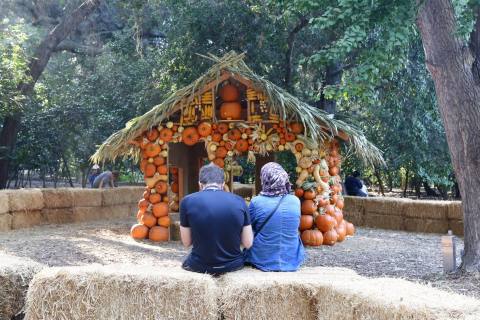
(186, 236)
(247, 236)
(100, 185)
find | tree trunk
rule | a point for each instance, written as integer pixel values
(406, 184)
(302, 23)
(333, 76)
(38, 62)
(381, 190)
(450, 62)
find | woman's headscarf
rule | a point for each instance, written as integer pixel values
(275, 180)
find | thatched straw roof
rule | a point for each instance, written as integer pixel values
(318, 124)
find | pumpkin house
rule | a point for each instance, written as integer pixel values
(229, 112)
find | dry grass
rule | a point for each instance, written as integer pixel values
(121, 292)
(15, 275)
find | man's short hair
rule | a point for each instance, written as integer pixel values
(211, 173)
(115, 173)
(356, 174)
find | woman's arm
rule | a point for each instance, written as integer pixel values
(186, 235)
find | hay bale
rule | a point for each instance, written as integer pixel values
(120, 211)
(57, 198)
(57, 216)
(26, 219)
(86, 197)
(426, 209)
(353, 210)
(5, 222)
(175, 231)
(456, 226)
(121, 292)
(384, 221)
(25, 200)
(15, 275)
(4, 206)
(82, 214)
(385, 206)
(387, 298)
(252, 294)
(123, 195)
(426, 225)
(455, 211)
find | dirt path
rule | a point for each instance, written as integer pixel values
(371, 252)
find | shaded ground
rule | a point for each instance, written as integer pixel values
(372, 252)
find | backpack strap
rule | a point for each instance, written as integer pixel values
(269, 216)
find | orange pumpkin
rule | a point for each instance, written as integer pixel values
(152, 134)
(219, 162)
(234, 134)
(164, 221)
(221, 152)
(204, 129)
(325, 222)
(148, 220)
(229, 92)
(160, 210)
(190, 136)
(289, 137)
(143, 164)
(299, 147)
(155, 198)
(329, 209)
(139, 215)
(158, 161)
(146, 194)
(143, 205)
(296, 127)
(139, 231)
(241, 145)
(338, 215)
(161, 187)
(151, 150)
(308, 207)
(323, 202)
(230, 111)
(163, 169)
(217, 137)
(299, 192)
(166, 134)
(341, 231)
(306, 222)
(222, 128)
(350, 229)
(150, 170)
(330, 237)
(333, 171)
(158, 234)
(228, 145)
(333, 199)
(339, 204)
(312, 238)
(309, 195)
(174, 187)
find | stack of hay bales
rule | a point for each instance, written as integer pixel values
(385, 213)
(426, 216)
(26, 208)
(15, 275)
(121, 292)
(455, 217)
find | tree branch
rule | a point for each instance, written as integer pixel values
(78, 48)
(302, 23)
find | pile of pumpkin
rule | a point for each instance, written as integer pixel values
(153, 208)
(320, 190)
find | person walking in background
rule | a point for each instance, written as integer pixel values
(107, 178)
(275, 216)
(215, 223)
(354, 186)
(94, 173)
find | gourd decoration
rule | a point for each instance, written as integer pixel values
(152, 135)
(330, 237)
(190, 136)
(166, 135)
(241, 145)
(325, 222)
(148, 220)
(164, 221)
(151, 150)
(231, 111)
(296, 127)
(308, 207)
(204, 129)
(306, 222)
(150, 170)
(312, 238)
(160, 210)
(139, 231)
(234, 134)
(222, 128)
(158, 234)
(229, 93)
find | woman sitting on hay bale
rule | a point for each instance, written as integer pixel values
(275, 216)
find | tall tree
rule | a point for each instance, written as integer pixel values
(37, 64)
(453, 65)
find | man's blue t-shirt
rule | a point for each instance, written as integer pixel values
(353, 185)
(216, 219)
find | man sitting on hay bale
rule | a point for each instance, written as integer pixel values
(216, 223)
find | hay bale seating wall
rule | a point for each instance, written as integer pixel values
(156, 292)
(405, 214)
(26, 208)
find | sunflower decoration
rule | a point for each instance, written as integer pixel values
(264, 141)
